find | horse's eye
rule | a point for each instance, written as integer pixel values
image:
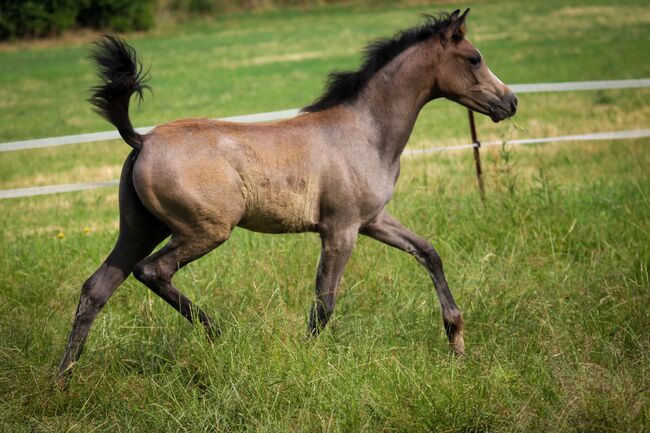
(474, 60)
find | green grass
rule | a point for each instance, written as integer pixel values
(551, 273)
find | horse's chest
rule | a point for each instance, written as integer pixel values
(375, 193)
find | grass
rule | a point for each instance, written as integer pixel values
(551, 273)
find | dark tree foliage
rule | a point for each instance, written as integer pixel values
(118, 15)
(29, 18)
(37, 18)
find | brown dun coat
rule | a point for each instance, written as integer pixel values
(330, 170)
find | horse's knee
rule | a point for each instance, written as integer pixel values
(428, 256)
(433, 257)
(436, 261)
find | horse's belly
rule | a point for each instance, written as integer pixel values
(281, 210)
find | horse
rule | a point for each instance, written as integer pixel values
(330, 170)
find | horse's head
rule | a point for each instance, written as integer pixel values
(464, 77)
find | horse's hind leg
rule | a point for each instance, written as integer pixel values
(140, 232)
(157, 270)
(97, 289)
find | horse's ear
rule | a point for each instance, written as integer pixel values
(456, 30)
(461, 22)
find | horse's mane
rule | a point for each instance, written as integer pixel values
(345, 86)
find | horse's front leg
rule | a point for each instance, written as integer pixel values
(336, 248)
(388, 230)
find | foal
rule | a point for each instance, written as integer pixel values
(331, 170)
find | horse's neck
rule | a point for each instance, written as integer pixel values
(392, 101)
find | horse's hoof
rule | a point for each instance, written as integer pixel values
(212, 331)
(62, 379)
(457, 344)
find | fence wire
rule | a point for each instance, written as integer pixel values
(284, 114)
(614, 135)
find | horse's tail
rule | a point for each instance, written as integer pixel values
(121, 75)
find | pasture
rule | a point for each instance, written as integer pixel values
(551, 273)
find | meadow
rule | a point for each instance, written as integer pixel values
(551, 272)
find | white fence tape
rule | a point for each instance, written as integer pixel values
(276, 115)
(615, 135)
(571, 86)
(112, 135)
(53, 189)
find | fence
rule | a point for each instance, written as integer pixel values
(276, 115)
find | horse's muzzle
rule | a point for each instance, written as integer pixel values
(505, 108)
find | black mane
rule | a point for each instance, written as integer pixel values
(345, 86)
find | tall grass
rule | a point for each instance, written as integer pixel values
(551, 272)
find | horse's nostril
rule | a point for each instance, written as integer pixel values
(513, 104)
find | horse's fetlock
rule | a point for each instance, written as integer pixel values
(324, 311)
(453, 318)
(319, 315)
(453, 321)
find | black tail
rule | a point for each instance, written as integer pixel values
(121, 76)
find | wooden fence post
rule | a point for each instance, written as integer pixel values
(477, 154)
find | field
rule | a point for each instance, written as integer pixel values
(551, 272)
